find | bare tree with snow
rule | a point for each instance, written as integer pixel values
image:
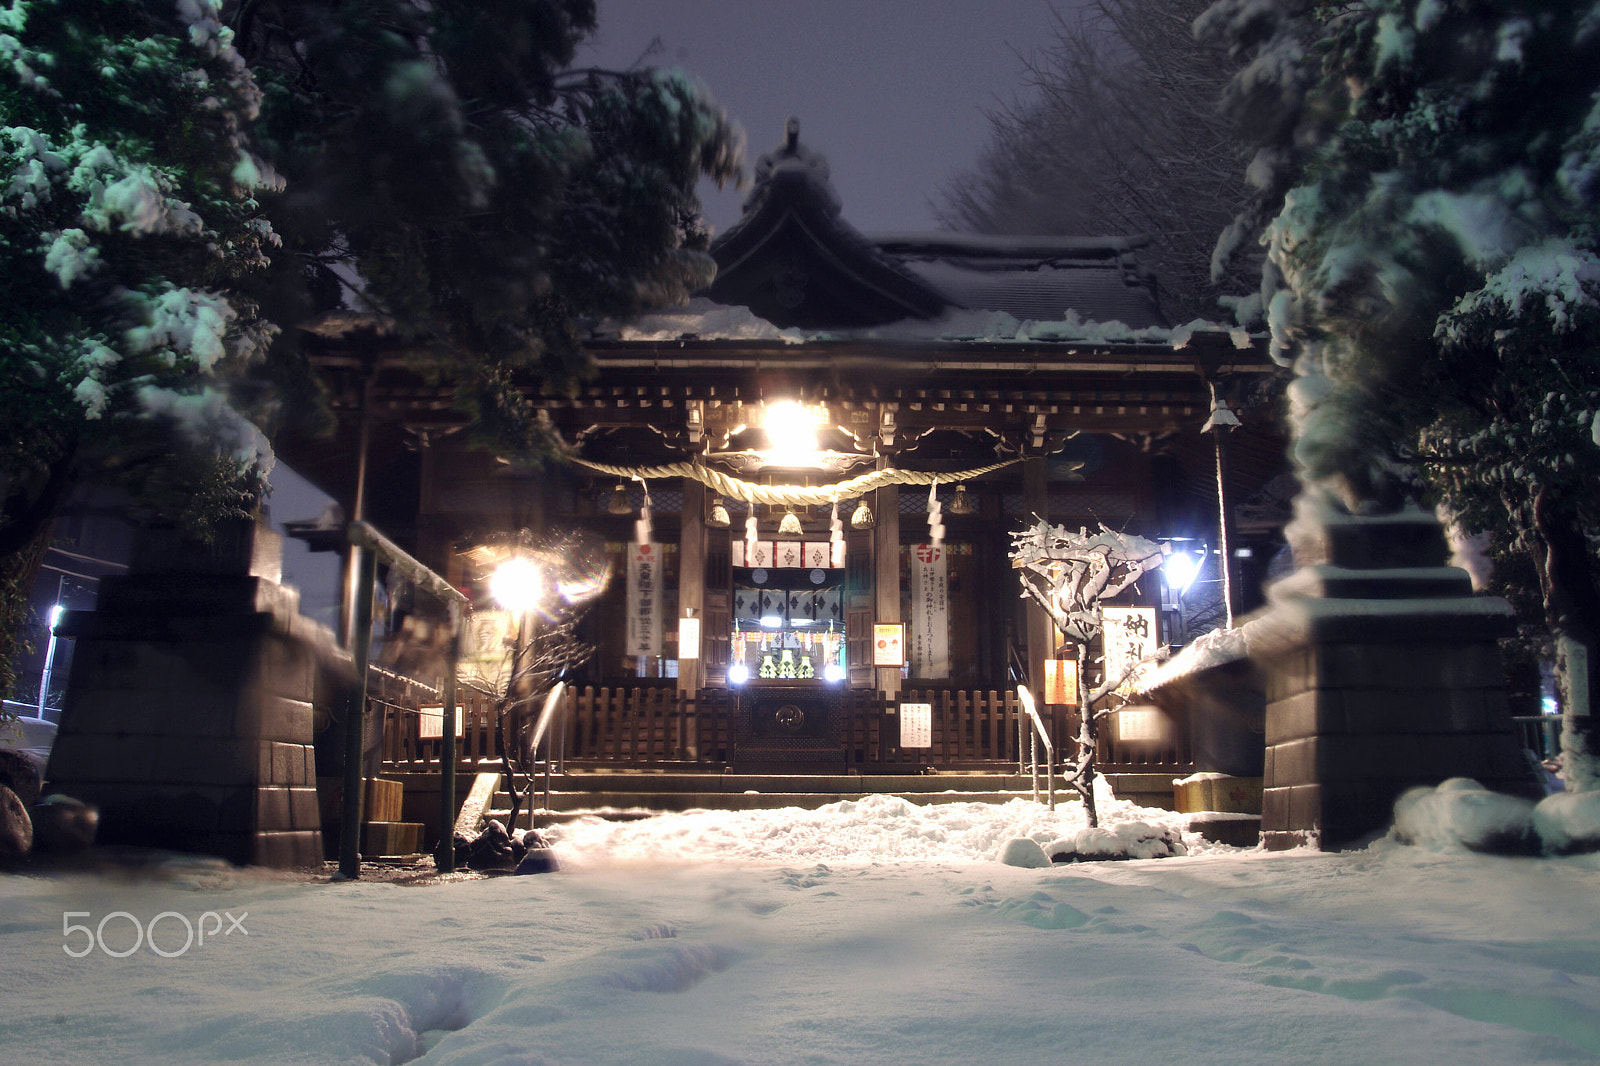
(1070, 574)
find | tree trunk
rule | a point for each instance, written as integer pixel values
(1083, 772)
(1572, 611)
(24, 537)
(18, 571)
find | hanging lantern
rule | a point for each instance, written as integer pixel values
(862, 518)
(619, 504)
(790, 526)
(719, 518)
(961, 503)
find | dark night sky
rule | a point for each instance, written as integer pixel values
(891, 91)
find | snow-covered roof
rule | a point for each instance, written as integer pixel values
(704, 319)
(793, 259)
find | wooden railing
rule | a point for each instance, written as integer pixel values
(655, 726)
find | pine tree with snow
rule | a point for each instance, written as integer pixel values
(126, 215)
(1430, 173)
(450, 171)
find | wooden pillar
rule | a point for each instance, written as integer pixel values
(692, 579)
(1040, 629)
(886, 574)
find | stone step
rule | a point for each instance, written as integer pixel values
(391, 838)
(613, 794)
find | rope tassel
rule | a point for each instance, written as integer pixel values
(836, 537)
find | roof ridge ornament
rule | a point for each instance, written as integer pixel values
(792, 157)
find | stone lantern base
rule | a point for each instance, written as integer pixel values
(189, 708)
(1382, 671)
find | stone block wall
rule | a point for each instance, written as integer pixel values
(1380, 672)
(189, 711)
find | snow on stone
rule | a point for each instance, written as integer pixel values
(1462, 813)
(1568, 821)
(1208, 650)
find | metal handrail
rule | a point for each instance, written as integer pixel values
(367, 545)
(554, 701)
(1039, 734)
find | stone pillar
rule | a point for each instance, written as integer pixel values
(1381, 671)
(188, 713)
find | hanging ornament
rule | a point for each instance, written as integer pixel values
(790, 526)
(935, 518)
(835, 538)
(619, 503)
(961, 503)
(750, 534)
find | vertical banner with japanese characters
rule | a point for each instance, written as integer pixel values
(644, 599)
(930, 612)
(1130, 638)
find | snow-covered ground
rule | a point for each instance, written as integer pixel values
(870, 932)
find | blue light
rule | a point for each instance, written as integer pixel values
(1181, 569)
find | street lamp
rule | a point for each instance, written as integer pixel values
(1180, 569)
(516, 584)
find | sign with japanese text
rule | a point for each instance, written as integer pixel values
(644, 600)
(1130, 638)
(688, 638)
(916, 725)
(1139, 724)
(1061, 681)
(930, 611)
(888, 644)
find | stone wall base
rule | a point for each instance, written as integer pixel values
(190, 707)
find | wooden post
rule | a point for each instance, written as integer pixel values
(1040, 628)
(356, 717)
(886, 574)
(692, 580)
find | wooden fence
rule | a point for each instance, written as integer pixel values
(656, 727)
